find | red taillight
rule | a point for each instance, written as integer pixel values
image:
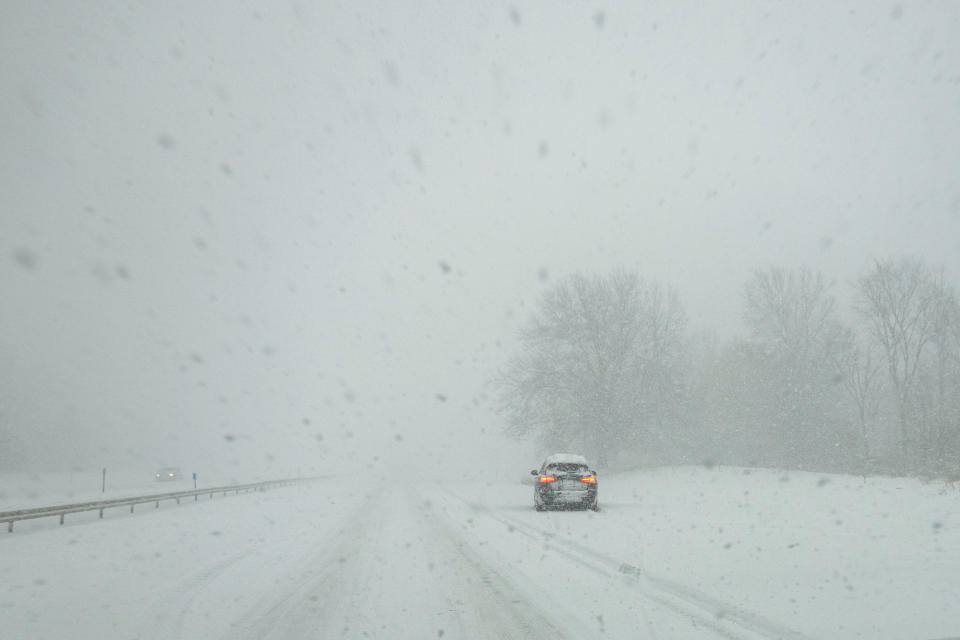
(546, 479)
(589, 479)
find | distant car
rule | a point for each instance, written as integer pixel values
(168, 473)
(565, 481)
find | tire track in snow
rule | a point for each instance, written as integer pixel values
(192, 589)
(726, 619)
(373, 581)
(303, 607)
(507, 611)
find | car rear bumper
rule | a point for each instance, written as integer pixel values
(567, 498)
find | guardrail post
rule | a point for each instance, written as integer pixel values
(131, 508)
(10, 527)
(101, 513)
(157, 506)
(61, 518)
(178, 499)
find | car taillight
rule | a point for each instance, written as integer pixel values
(546, 479)
(589, 479)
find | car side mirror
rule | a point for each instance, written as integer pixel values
(534, 473)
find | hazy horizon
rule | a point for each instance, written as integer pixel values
(267, 237)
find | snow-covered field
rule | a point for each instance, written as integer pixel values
(674, 553)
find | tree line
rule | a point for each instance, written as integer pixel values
(606, 366)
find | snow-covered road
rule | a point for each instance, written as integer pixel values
(674, 553)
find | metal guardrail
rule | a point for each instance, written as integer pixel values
(132, 501)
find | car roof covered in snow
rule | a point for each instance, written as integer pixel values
(565, 457)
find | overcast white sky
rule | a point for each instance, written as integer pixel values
(228, 227)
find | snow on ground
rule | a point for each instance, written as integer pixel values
(829, 556)
(674, 553)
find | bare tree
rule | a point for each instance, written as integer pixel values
(942, 431)
(860, 373)
(595, 364)
(791, 310)
(909, 310)
(792, 316)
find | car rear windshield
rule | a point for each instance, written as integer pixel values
(567, 467)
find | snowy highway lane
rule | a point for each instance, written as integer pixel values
(675, 553)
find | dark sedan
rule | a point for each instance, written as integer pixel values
(565, 481)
